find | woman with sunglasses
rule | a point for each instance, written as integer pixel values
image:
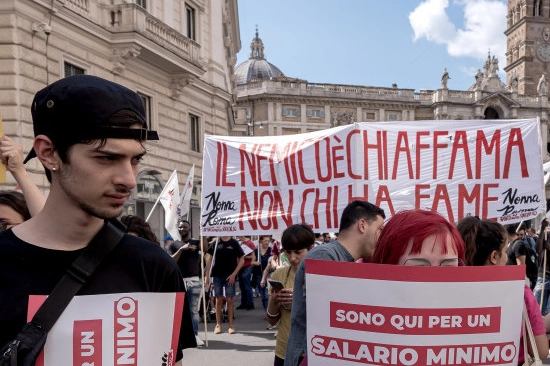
(419, 238)
(486, 243)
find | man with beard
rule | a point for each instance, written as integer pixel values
(89, 136)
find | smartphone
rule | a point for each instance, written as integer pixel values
(277, 285)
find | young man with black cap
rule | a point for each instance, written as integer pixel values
(89, 135)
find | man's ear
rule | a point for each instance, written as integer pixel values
(362, 226)
(494, 257)
(45, 151)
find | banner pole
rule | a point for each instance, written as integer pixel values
(205, 315)
(543, 274)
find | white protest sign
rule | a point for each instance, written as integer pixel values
(114, 329)
(246, 249)
(490, 169)
(416, 316)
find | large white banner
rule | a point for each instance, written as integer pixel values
(490, 169)
(372, 314)
(114, 329)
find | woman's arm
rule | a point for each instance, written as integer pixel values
(11, 154)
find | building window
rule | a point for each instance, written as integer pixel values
(142, 3)
(393, 117)
(194, 131)
(316, 113)
(71, 70)
(147, 104)
(191, 23)
(291, 112)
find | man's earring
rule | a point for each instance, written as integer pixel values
(53, 169)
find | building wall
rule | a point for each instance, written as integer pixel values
(144, 49)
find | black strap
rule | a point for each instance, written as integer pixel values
(77, 274)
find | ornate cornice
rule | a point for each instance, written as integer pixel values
(121, 55)
(179, 82)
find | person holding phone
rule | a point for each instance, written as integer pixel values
(296, 240)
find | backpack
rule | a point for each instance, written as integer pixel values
(531, 269)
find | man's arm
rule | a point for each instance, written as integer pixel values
(265, 273)
(542, 241)
(520, 260)
(208, 259)
(231, 278)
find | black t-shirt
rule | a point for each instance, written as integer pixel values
(189, 261)
(264, 259)
(519, 248)
(516, 249)
(227, 255)
(134, 265)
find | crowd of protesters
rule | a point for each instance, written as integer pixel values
(264, 267)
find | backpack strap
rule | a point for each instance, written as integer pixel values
(77, 274)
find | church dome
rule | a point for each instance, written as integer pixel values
(256, 68)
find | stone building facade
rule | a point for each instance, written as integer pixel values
(179, 55)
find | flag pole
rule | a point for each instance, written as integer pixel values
(185, 196)
(153, 209)
(158, 198)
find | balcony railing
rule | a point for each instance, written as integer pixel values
(130, 17)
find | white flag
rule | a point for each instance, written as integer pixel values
(185, 198)
(546, 167)
(169, 200)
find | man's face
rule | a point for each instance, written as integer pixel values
(99, 179)
(183, 229)
(371, 235)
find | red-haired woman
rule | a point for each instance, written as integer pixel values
(419, 238)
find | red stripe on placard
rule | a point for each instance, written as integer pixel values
(414, 274)
(178, 313)
(396, 354)
(35, 302)
(87, 342)
(410, 321)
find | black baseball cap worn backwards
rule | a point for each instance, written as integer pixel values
(78, 108)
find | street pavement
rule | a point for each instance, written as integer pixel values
(252, 345)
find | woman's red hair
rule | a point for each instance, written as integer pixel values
(416, 225)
